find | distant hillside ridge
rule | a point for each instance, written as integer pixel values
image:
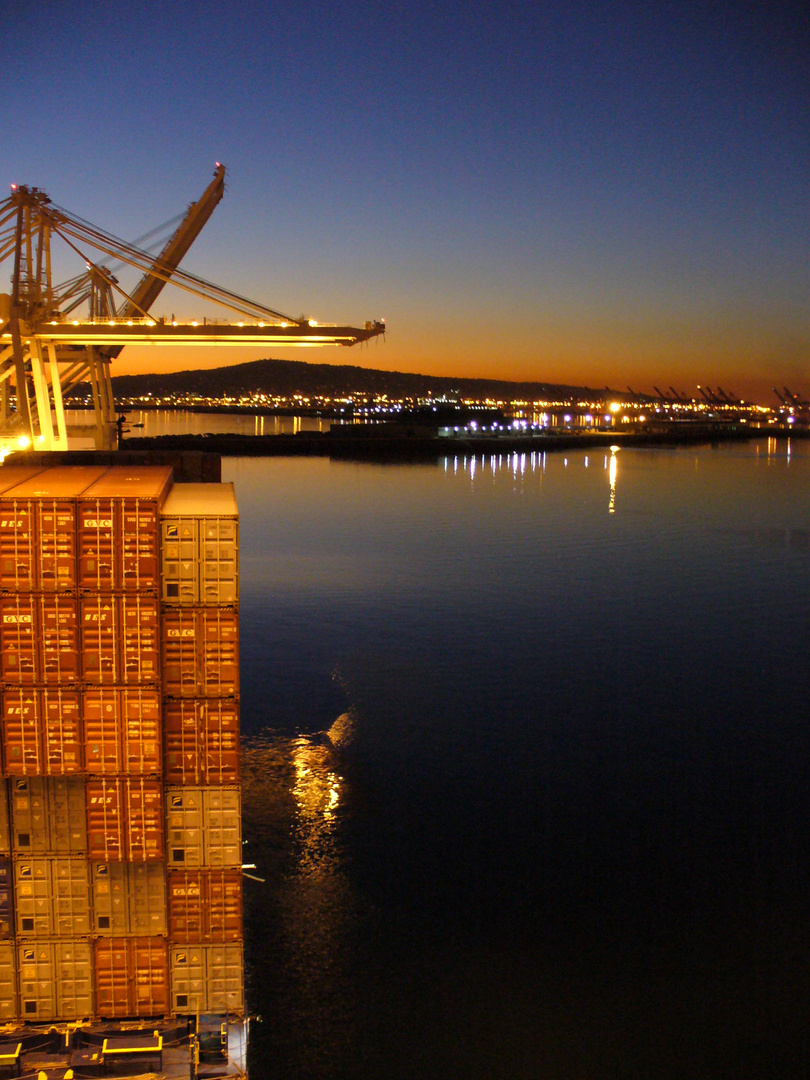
(285, 378)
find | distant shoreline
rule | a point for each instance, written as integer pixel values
(389, 446)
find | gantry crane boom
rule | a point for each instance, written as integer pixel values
(151, 284)
(43, 353)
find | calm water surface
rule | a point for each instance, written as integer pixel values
(525, 764)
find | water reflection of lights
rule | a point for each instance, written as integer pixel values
(612, 471)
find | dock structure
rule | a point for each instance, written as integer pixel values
(121, 935)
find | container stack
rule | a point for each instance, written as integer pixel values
(120, 849)
(200, 635)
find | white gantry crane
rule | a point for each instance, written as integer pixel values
(56, 336)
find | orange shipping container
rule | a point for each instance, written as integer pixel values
(119, 529)
(39, 638)
(205, 905)
(17, 546)
(201, 741)
(140, 621)
(41, 732)
(132, 977)
(200, 652)
(46, 501)
(125, 820)
(120, 639)
(122, 731)
(100, 618)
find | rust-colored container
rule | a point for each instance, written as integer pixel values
(205, 905)
(132, 976)
(41, 732)
(62, 734)
(17, 546)
(39, 639)
(201, 740)
(101, 635)
(41, 510)
(120, 639)
(200, 652)
(119, 530)
(125, 820)
(121, 731)
(140, 622)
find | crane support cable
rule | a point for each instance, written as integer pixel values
(144, 260)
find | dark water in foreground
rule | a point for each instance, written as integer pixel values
(558, 828)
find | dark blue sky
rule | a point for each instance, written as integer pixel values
(578, 192)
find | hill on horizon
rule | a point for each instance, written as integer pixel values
(286, 378)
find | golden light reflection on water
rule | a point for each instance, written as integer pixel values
(613, 469)
(293, 796)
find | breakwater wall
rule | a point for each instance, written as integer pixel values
(414, 446)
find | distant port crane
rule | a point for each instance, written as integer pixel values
(56, 336)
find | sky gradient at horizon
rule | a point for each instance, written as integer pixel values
(564, 192)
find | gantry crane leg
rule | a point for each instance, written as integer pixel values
(42, 397)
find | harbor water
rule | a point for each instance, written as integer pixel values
(526, 764)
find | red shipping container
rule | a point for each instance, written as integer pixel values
(125, 820)
(100, 618)
(201, 740)
(96, 545)
(140, 713)
(140, 620)
(41, 732)
(200, 652)
(205, 905)
(47, 500)
(132, 977)
(122, 731)
(62, 732)
(103, 752)
(22, 733)
(56, 544)
(17, 545)
(119, 529)
(39, 639)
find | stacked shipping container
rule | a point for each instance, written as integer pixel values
(120, 844)
(200, 636)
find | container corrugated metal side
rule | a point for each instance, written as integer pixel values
(140, 622)
(120, 639)
(200, 534)
(17, 546)
(5, 820)
(201, 741)
(121, 731)
(56, 980)
(203, 827)
(48, 816)
(205, 905)
(51, 897)
(129, 898)
(47, 500)
(125, 820)
(207, 979)
(119, 531)
(42, 732)
(132, 977)
(8, 982)
(6, 898)
(39, 638)
(200, 652)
